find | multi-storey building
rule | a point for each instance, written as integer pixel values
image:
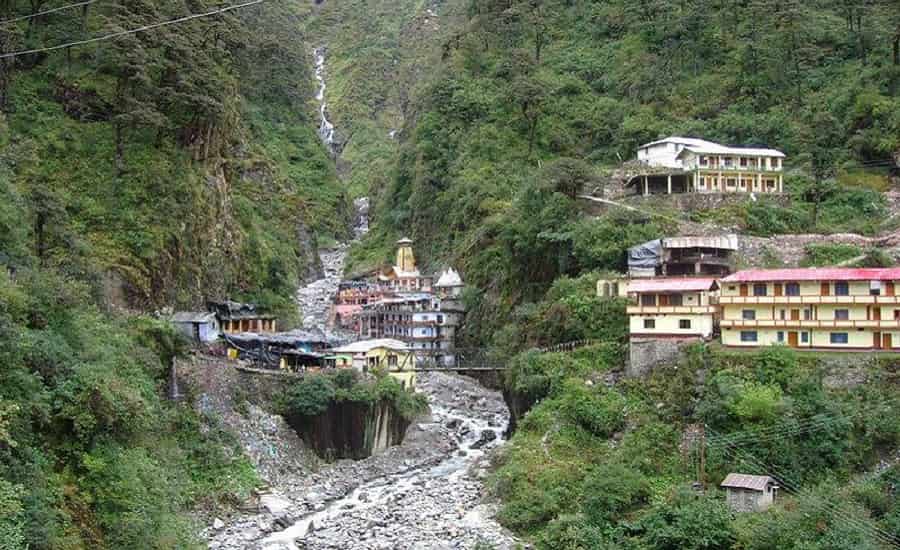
(819, 308)
(685, 165)
(349, 301)
(672, 308)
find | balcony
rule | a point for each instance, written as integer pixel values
(674, 310)
(809, 324)
(730, 169)
(808, 299)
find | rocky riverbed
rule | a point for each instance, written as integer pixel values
(315, 298)
(427, 493)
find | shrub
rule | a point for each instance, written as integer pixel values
(596, 409)
(828, 254)
(610, 492)
(309, 396)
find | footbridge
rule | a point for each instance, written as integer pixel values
(479, 359)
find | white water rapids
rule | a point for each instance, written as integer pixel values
(326, 128)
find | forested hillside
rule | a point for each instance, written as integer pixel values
(159, 169)
(530, 101)
(528, 104)
(171, 166)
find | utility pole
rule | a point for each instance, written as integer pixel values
(701, 474)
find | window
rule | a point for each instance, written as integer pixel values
(804, 337)
(807, 314)
(792, 289)
(731, 182)
(875, 288)
(676, 300)
(731, 287)
(440, 319)
(703, 161)
(782, 314)
(648, 299)
(743, 161)
(839, 338)
(748, 314)
(729, 161)
(780, 336)
(748, 336)
(649, 323)
(773, 162)
(841, 289)
(759, 289)
(841, 314)
(684, 323)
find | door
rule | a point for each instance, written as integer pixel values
(795, 315)
(792, 339)
(876, 313)
(889, 288)
(825, 289)
(778, 289)
(744, 290)
(663, 300)
(888, 342)
(876, 340)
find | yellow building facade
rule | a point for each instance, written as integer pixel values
(671, 308)
(826, 308)
(399, 364)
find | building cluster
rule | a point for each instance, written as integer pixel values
(689, 165)
(402, 304)
(805, 308)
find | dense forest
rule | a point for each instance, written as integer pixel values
(160, 169)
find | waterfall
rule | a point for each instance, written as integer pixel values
(326, 128)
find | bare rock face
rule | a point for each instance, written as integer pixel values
(309, 262)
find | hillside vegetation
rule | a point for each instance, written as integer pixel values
(171, 166)
(161, 169)
(530, 99)
(526, 106)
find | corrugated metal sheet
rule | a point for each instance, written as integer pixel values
(726, 242)
(686, 284)
(815, 274)
(193, 317)
(746, 481)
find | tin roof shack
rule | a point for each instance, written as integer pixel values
(199, 327)
(296, 350)
(683, 257)
(749, 493)
(235, 317)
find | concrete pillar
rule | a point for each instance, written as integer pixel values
(669, 184)
(780, 184)
(646, 186)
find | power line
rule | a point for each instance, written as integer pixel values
(816, 422)
(45, 12)
(859, 523)
(132, 31)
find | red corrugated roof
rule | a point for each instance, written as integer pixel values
(671, 285)
(816, 274)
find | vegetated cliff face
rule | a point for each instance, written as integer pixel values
(171, 166)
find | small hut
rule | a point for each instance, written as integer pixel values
(749, 493)
(200, 327)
